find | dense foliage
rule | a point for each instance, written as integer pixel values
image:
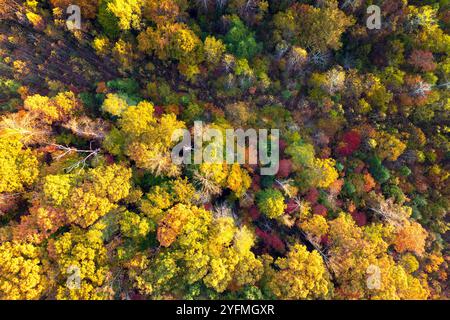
(93, 207)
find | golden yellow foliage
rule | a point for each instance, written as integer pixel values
(61, 107)
(22, 273)
(84, 252)
(18, 166)
(114, 104)
(238, 180)
(302, 275)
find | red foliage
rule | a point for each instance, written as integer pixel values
(351, 141)
(324, 240)
(208, 206)
(282, 145)
(312, 196)
(320, 210)
(359, 168)
(285, 168)
(422, 60)
(254, 212)
(136, 296)
(271, 240)
(109, 159)
(256, 180)
(8, 203)
(360, 218)
(158, 111)
(291, 206)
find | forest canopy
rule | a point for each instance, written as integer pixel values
(92, 205)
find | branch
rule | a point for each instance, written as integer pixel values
(68, 150)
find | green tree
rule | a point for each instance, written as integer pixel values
(271, 202)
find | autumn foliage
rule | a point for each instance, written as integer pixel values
(94, 204)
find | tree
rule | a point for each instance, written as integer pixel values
(362, 267)
(172, 42)
(393, 213)
(212, 250)
(378, 171)
(164, 196)
(22, 272)
(271, 202)
(377, 95)
(317, 29)
(135, 226)
(238, 180)
(302, 275)
(127, 12)
(39, 224)
(315, 227)
(172, 224)
(297, 57)
(28, 127)
(411, 237)
(323, 173)
(108, 21)
(251, 11)
(161, 12)
(19, 168)
(351, 141)
(83, 253)
(59, 108)
(90, 196)
(388, 146)
(422, 60)
(147, 139)
(214, 50)
(114, 104)
(88, 7)
(240, 40)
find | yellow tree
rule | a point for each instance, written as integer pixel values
(58, 108)
(114, 104)
(214, 50)
(271, 202)
(212, 250)
(363, 268)
(311, 27)
(19, 168)
(127, 12)
(238, 180)
(301, 275)
(80, 256)
(89, 195)
(22, 273)
(147, 140)
(388, 146)
(173, 41)
(164, 196)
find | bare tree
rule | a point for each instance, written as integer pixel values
(90, 153)
(87, 128)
